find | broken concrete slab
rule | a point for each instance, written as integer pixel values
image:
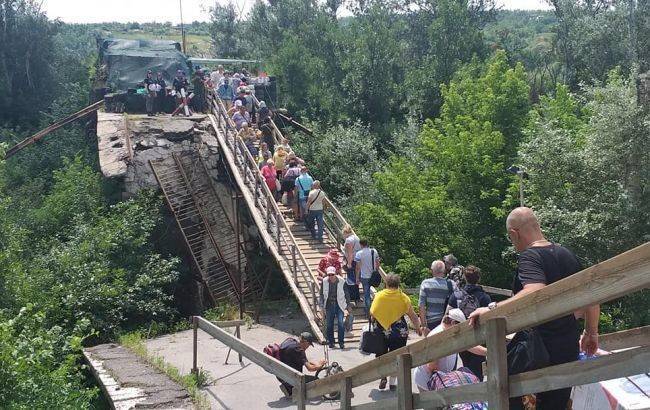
(112, 144)
(129, 382)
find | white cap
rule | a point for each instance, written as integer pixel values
(457, 315)
(237, 103)
(330, 269)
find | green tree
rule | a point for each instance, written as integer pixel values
(225, 30)
(449, 198)
(589, 172)
(27, 81)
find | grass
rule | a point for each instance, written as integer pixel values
(191, 382)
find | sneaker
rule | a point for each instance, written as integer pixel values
(331, 345)
(285, 391)
(342, 346)
(382, 383)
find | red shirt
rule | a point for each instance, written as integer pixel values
(326, 262)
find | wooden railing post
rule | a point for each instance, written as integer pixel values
(295, 263)
(404, 392)
(268, 215)
(195, 328)
(346, 393)
(497, 364)
(300, 393)
(277, 232)
(313, 294)
(257, 187)
(238, 333)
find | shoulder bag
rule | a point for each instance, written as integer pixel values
(373, 340)
(375, 276)
(526, 351)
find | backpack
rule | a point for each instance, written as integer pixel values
(273, 349)
(441, 380)
(466, 301)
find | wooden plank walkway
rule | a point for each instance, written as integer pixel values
(128, 382)
(314, 251)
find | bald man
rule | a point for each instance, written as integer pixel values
(434, 294)
(541, 263)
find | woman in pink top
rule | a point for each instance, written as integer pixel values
(270, 174)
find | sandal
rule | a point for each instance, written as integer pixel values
(382, 383)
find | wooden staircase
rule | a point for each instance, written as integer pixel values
(208, 232)
(313, 251)
(288, 242)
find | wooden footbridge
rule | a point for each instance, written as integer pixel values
(214, 242)
(287, 240)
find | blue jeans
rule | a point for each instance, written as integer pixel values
(365, 282)
(302, 204)
(334, 311)
(318, 217)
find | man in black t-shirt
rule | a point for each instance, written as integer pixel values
(292, 353)
(542, 263)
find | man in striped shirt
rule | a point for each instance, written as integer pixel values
(434, 293)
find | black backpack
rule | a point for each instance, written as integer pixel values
(466, 301)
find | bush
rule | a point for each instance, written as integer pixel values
(38, 364)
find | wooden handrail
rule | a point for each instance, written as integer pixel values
(613, 278)
(639, 336)
(268, 363)
(612, 366)
(571, 374)
(487, 289)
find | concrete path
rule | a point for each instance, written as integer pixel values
(129, 382)
(247, 386)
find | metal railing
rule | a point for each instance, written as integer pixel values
(623, 274)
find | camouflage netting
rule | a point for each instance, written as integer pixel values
(126, 61)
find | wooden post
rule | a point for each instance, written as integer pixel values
(404, 392)
(346, 393)
(239, 337)
(300, 393)
(313, 294)
(195, 328)
(257, 187)
(268, 215)
(295, 263)
(497, 364)
(277, 231)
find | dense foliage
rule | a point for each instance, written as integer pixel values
(74, 267)
(453, 92)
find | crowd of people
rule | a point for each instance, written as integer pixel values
(230, 87)
(453, 295)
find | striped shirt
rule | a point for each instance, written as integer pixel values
(433, 295)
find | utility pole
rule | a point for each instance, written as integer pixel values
(521, 174)
(180, 2)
